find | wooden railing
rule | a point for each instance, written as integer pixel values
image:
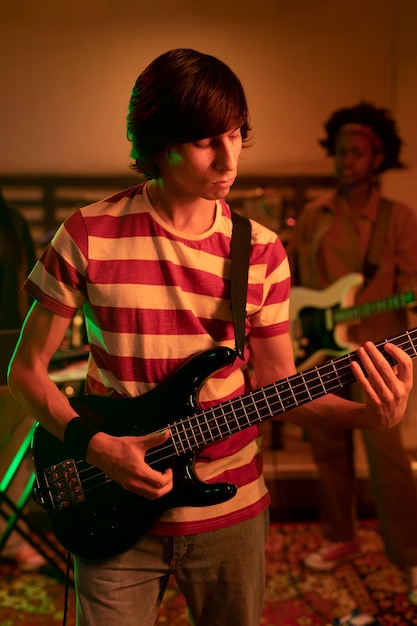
(46, 201)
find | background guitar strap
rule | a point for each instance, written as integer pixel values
(239, 269)
(376, 243)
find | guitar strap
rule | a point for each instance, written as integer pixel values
(376, 243)
(239, 270)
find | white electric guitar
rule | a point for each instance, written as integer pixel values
(319, 319)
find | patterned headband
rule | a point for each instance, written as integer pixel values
(366, 131)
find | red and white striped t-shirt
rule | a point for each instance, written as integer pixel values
(152, 297)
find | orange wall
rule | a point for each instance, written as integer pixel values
(67, 68)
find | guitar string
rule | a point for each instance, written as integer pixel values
(317, 387)
(342, 378)
(226, 414)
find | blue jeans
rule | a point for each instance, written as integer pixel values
(221, 575)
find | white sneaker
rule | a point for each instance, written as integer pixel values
(331, 555)
(25, 557)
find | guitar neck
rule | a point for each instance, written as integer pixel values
(367, 309)
(212, 425)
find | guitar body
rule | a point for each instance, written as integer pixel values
(93, 516)
(314, 334)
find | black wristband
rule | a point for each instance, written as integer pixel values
(77, 436)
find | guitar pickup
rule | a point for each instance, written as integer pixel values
(64, 484)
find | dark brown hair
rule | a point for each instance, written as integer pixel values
(182, 96)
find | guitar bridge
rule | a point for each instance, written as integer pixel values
(64, 485)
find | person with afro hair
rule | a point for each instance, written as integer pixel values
(354, 230)
(375, 119)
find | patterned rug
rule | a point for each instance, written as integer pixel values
(294, 595)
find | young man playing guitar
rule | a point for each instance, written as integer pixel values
(151, 268)
(353, 229)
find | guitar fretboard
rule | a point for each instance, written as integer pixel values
(367, 309)
(211, 425)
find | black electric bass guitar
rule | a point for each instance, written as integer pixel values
(320, 319)
(92, 516)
